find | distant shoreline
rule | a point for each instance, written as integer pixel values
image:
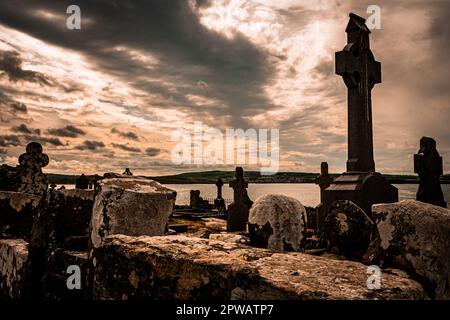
(254, 177)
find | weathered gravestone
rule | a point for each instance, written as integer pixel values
(27, 177)
(196, 201)
(357, 65)
(428, 165)
(277, 222)
(348, 229)
(239, 209)
(324, 181)
(219, 202)
(82, 182)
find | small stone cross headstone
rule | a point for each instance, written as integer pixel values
(428, 165)
(238, 210)
(219, 202)
(324, 181)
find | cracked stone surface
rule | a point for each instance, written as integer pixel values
(180, 267)
(13, 258)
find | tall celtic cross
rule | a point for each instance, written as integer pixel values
(357, 65)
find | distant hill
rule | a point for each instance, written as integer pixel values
(208, 177)
(227, 176)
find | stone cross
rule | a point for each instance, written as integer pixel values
(239, 185)
(428, 165)
(324, 181)
(360, 184)
(238, 210)
(357, 65)
(219, 185)
(30, 175)
(219, 202)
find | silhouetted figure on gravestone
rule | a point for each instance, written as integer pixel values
(30, 177)
(323, 180)
(239, 209)
(219, 202)
(428, 165)
(128, 172)
(82, 182)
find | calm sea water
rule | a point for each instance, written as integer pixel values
(307, 193)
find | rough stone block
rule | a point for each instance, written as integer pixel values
(415, 237)
(130, 206)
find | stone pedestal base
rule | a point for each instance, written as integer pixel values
(362, 188)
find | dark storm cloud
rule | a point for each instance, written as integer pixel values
(18, 107)
(11, 66)
(68, 131)
(24, 129)
(43, 140)
(126, 147)
(236, 70)
(9, 140)
(128, 135)
(10, 104)
(90, 145)
(152, 152)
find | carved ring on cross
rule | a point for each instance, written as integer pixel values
(352, 76)
(353, 79)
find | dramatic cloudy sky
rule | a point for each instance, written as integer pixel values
(110, 95)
